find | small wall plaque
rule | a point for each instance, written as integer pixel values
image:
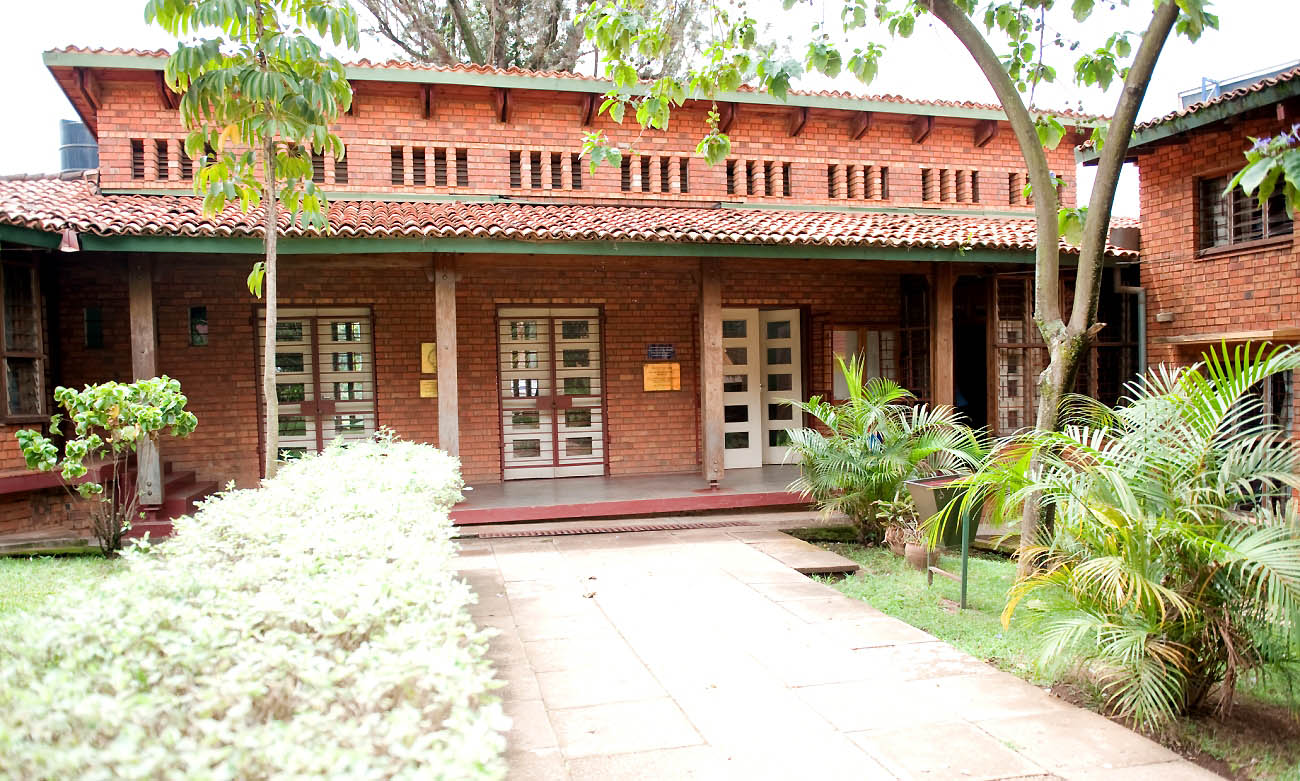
(661, 376)
(660, 352)
(428, 358)
(428, 389)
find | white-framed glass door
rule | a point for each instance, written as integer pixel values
(552, 392)
(782, 380)
(741, 392)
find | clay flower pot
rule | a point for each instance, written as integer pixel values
(919, 557)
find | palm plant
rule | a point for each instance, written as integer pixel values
(1172, 566)
(871, 444)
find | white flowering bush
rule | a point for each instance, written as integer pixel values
(310, 628)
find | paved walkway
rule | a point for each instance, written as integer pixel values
(694, 654)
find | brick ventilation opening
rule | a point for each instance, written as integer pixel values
(949, 185)
(848, 181)
(771, 178)
(186, 164)
(137, 158)
(440, 167)
(160, 154)
(643, 527)
(397, 163)
(419, 176)
(1016, 184)
(545, 170)
(664, 174)
(318, 167)
(462, 168)
(341, 169)
(535, 170)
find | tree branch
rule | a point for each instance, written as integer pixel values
(472, 47)
(1047, 297)
(1096, 226)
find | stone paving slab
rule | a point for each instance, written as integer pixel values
(698, 655)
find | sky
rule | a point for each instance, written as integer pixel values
(1253, 35)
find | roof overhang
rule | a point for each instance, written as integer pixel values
(288, 245)
(1164, 132)
(380, 73)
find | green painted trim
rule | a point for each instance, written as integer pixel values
(333, 196)
(937, 212)
(562, 84)
(349, 246)
(29, 237)
(1206, 116)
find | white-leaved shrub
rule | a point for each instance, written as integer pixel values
(312, 628)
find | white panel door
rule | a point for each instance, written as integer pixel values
(782, 380)
(741, 391)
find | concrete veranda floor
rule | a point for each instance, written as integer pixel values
(694, 654)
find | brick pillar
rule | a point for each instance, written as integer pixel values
(566, 171)
(674, 175)
(408, 166)
(840, 182)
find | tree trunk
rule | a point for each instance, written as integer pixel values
(271, 205)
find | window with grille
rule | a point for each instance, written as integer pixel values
(876, 348)
(22, 347)
(186, 164)
(1228, 218)
(318, 167)
(160, 154)
(538, 170)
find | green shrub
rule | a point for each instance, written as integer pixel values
(310, 628)
(875, 441)
(1173, 565)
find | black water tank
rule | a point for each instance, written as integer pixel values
(77, 148)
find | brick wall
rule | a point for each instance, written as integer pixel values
(1250, 289)
(390, 115)
(643, 301)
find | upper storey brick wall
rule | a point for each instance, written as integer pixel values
(1234, 289)
(463, 149)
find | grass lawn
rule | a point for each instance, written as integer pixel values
(26, 582)
(1261, 740)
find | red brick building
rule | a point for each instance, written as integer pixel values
(1217, 267)
(483, 289)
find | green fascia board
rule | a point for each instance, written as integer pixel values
(562, 84)
(29, 237)
(1206, 116)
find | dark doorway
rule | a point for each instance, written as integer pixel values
(970, 346)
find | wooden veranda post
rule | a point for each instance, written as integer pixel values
(448, 386)
(711, 416)
(144, 365)
(941, 378)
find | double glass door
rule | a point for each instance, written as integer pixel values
(552, 392)
(762, 371)
(324, 377)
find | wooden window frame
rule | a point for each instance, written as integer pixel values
(1268, 239)
(38, 354)
(862, 328)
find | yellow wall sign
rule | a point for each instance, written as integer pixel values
(662, 376)
(428, 358)
(428, 389)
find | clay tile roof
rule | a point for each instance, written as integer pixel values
(597, 83)
(1227, 97)
(52, 204)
